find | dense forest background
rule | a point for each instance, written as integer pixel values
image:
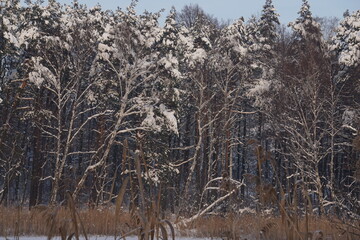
(230, 115)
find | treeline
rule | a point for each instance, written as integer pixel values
(254, 109)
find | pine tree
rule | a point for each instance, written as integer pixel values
(14, 36)
(347, 42)
(269, 21)
(262, 42)
(307, 30)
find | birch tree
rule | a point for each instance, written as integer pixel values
(62, 68)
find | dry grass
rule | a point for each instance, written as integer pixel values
(250, 226)
(42, 220)
(144, 219)
(101, 221)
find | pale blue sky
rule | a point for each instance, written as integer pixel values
(233, 9)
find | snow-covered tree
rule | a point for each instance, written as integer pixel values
(172, 47)
(231, 75)
(269, 21)
(88, 97)
(15, 34)
(130, 69)
(302, 97)
(196, 44)
(263, 38)
(307, 31)
(61, 70)
(263, 64)
(346, 44)
(346, 48)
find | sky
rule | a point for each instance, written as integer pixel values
(233, 9)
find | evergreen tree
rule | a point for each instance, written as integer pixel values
(307, 30)
(263, 38)
(346, 41)
(269, 21)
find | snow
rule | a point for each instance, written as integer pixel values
(155, 123)
(348, 116)
(246, 210)
(261, 87)
(153, 175)
(36, 78)
(177, 94)
(170, 118)
(28, 34)
(186, 41)
(169, 61)
(106, 35)
(41, 74)
(241, 50)
(46, 13)
(22, 37)
(349, 58)
(196, 57)
(11, 39)
(206, 41)
(150, 120)
(6, 21)
(91, 97)
(176, 73)
(347, 40)
(96, 238)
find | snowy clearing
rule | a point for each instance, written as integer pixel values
(95, 238)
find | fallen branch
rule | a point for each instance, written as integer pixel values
(207, 209)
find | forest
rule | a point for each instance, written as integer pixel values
(194, 118)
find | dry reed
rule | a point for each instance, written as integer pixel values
(252, 226)
(103, 221)
(43, 220)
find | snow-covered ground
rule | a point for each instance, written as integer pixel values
(58, 238)
(95, 238)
